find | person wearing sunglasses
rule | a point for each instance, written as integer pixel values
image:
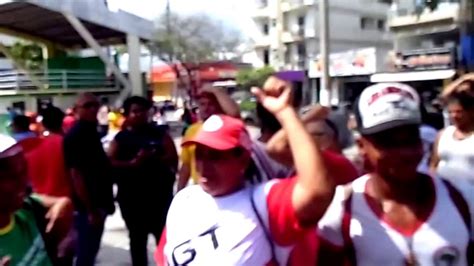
(90, 170)
(395, 215)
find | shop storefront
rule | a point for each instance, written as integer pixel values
(350, 73)
(427, 70)
(162, 82)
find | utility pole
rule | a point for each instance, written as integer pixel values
(279, 27)
(324, 48)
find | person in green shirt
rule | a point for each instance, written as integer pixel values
(31, 226)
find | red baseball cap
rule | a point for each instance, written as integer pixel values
(222, 132)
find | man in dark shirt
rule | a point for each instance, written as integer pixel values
(90, 171)
(146, 159)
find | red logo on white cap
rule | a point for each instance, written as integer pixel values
(213, 124)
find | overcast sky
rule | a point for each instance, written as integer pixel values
(234, 12)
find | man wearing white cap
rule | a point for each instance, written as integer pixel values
(395, 215)
(31, 227)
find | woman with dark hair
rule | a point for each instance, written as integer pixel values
(454, 149)
(146, 161)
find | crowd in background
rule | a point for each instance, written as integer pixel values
(296, 195)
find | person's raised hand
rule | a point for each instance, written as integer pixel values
(5, 261)
(459, 85)
(315, 112)
(275, 95)
(60, 212)
(209, 89)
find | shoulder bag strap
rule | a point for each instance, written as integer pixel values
(262, 224)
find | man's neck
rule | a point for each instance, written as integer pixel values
(399, 191)
(466, 129)
(5, 220)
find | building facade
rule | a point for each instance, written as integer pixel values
(429, 50)
(288, 36)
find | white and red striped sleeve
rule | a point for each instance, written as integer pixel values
(330, 225)
(283, 223)
(160, 258)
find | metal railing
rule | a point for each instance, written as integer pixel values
(56, 79)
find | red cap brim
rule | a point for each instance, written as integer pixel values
(211, 141)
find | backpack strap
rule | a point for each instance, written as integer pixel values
(349, 249)
(268, 236)
(463, 208)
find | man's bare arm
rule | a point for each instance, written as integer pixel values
(314, 188)
(227, 104)
(278, 146)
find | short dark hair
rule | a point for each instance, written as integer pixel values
(138, 100)
(267, 120)
(53, 118)
(21, 122)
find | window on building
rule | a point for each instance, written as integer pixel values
(287, 54)
(381, 24)
(274, 22)
(301, 21)
(265, 29)
(266, 56)
(301, 24)
(367, 23)
(301, 48)
(286, 21)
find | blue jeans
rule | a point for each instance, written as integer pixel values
(88, 239)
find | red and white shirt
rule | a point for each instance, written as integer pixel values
(442, 239)
(206, 230)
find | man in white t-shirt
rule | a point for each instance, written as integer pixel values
(395, 215)
(223, 222)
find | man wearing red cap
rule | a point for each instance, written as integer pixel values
(211, 101)
(235, 224)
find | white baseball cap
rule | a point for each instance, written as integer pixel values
(8, 147)
(385, 106)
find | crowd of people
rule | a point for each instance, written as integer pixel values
(290, 197)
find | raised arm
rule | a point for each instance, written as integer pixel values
(314, 188)
(228, 105)
(453, 86)
(278, 146)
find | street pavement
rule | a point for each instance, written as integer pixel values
(115, 243)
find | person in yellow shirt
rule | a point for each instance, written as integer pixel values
(211, 101)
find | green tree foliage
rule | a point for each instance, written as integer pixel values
(29, 55)
(248, 78)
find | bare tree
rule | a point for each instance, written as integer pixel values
(194, 38)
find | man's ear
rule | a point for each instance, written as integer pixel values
(361, 145)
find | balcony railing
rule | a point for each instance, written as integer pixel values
(407, 17)
(56, 79)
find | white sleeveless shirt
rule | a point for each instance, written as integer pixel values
(377, 243)
(456, 156)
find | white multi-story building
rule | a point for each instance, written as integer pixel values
(289, 29)
(416, 26)
(427, 48)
